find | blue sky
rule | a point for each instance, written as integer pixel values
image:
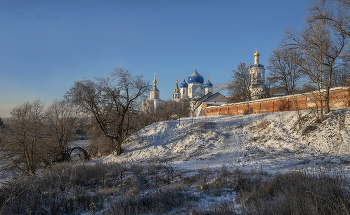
(48, 45)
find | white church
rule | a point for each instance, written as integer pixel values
(199, 93)
(195, 91)
(151, 104)
(195, 88)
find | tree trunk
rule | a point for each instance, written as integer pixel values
(327, 100)
(119, 143)
(321, 103)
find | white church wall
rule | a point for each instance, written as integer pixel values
(184, 93)
(195, 90)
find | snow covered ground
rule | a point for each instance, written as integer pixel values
(272, 142)
(280, 141)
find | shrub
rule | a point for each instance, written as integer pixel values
(296, 193)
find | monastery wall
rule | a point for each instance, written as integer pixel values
(339, 98)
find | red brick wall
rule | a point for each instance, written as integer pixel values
(339, 98)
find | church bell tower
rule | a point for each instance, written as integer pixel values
(257, 85)
(154, 93)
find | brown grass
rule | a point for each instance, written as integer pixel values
(296, 193)
(156, 188)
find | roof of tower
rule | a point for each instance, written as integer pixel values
(154, 83)
(176, 86)
(154, 86)
(208, 84)
(256, 54)
(195, 77)
(184, 84)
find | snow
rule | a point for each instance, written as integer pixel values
(272, 142)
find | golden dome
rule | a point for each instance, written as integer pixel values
(154, 82)
(256, 54)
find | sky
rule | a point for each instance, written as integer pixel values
(48, 45)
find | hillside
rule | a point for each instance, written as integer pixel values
(206, 165)
(277, 141)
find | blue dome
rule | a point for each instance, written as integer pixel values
(195, 78)
(184, 84)
(208, 84)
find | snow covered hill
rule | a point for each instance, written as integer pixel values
(272, 142)
(278, 141)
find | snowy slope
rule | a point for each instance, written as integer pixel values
(273, 141)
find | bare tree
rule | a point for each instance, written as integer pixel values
(284, 72)
(334, 13)
(320, 50)
(307, 87)
(238, 88)
(341, 75)
(2, 125)
(112, 102)
(168, 110)
(23, 144)
(180, 108)
(61, 116)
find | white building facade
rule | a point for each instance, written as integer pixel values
(257, 86)
(208, 87)
(151, 104)
(184, 89)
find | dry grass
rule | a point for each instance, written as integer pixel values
(296, 193)
(71, 189)
(308, 129)
(159, 201)
(260, 126)
(222, 208)
(157, 188)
